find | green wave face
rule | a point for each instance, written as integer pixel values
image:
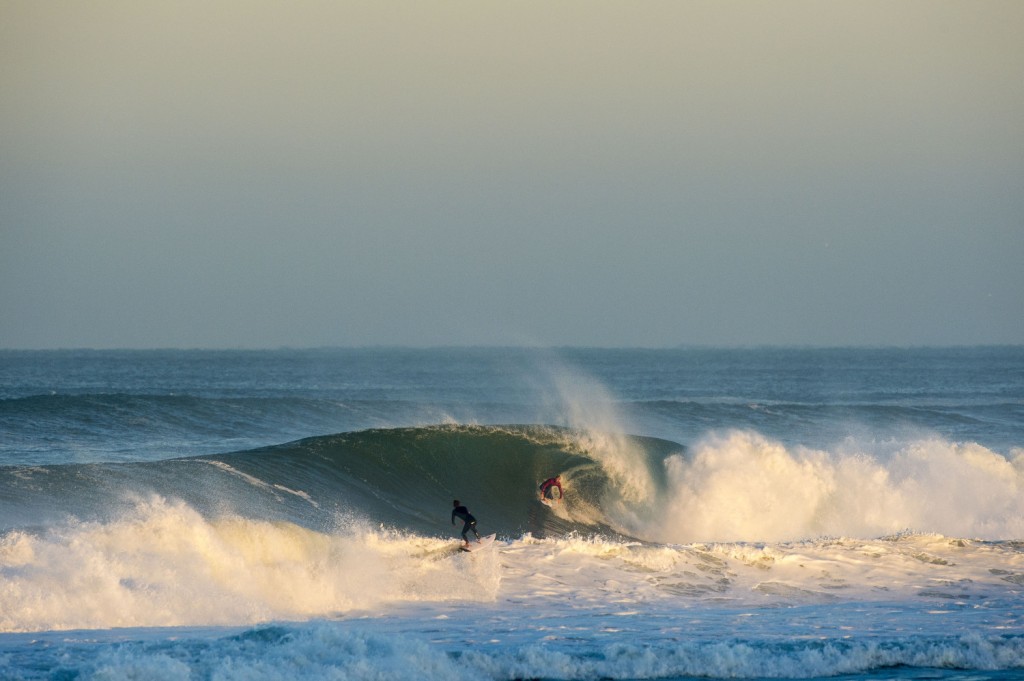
(407, 478)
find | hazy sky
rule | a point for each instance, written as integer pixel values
(258, 174)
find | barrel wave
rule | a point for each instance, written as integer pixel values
(403, 479)
(319, 526)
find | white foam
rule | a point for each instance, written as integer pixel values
(742, 486)
(332, 651)
(595, 571)
(573, 608)
(165, 565)
(371, 650)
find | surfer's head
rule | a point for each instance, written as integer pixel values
(455, 503)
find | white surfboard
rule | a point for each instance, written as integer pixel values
(551, 501)
(477, 545)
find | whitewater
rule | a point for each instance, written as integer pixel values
(749, 513)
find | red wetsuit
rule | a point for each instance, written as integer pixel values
(548, 484)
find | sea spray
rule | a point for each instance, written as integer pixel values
(592, 414)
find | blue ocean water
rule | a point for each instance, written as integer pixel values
(729, 513)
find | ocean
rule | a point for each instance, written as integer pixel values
(757, 513)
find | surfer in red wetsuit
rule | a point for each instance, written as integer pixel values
(460, 511)
(545, 488)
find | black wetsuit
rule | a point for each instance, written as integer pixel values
(470, 522)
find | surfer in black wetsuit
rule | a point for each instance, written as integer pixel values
(460, 511)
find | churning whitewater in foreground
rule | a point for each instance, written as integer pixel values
(727, 514)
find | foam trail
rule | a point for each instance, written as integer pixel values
(742, 486)
(256, 482)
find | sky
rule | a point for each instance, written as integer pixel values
(260, 174)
